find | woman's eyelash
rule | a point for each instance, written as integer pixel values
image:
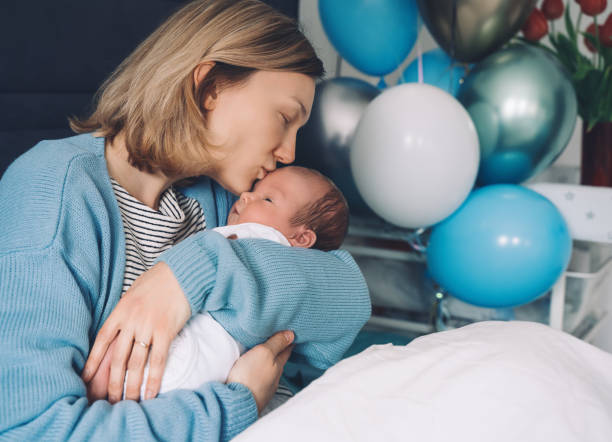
(268, 199)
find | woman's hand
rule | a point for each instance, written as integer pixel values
(145, 320)
(260, 368)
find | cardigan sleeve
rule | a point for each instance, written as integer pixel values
(255, 287)
(46, 314)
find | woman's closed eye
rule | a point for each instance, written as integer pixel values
(268, 200)
(285, 119)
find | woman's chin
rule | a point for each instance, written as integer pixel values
(234, 188)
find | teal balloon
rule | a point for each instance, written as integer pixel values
(505, 246)
(375, 36)
(524, 108)
(438, 70)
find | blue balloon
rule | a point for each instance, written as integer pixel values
(438, 70)
(505, 246)
(375, 36)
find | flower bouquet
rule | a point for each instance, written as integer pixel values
(591, 73)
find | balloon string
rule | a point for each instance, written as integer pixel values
(419, 52)
(415, 240)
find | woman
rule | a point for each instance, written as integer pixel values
(218, 92)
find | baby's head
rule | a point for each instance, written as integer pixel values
(300, 203)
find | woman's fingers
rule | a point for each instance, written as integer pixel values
(260, 368)
(105, 336)
(135, 369)
(155, 301)
(157, 364)
(283, 357)
(279, 342)
(118, 364)
(97, 387)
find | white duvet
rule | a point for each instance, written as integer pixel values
(490, 381)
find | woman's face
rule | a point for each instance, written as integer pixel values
(255, 124)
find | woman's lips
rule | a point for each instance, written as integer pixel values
(262, 174)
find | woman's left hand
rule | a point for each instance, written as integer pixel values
(145, 320)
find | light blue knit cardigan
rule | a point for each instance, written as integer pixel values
(62, 257)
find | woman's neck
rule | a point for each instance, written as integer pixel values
(145, 187)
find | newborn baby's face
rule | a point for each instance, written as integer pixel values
(276, 199)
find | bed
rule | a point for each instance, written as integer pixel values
(498, 381)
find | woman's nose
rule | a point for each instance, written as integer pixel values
(286, 152)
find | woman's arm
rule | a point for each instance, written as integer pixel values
(46, 315)
(256, 287)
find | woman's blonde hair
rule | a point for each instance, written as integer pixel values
(152, 97)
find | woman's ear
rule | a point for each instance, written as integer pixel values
(303, 237)
(199, 73)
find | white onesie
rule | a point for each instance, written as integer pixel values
(203, 351)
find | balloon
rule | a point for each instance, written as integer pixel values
(480, 26)
(375, 36)
(438, 70)
(524, 107)
(415, 155)
(505, 246)
(324, 142)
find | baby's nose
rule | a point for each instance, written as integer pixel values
(246, 197)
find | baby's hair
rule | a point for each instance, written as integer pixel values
(328, 216)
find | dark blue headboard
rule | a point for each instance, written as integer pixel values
(55, 54)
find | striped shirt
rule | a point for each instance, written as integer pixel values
(149, 232)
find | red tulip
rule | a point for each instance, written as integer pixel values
(552, 9)
(587, 42)
(593, 7)
(536, 26)
(605, 32)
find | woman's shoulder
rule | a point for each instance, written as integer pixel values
(51, 175)
(57, 153)
(50, 160)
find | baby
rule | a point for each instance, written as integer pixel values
(294, 206)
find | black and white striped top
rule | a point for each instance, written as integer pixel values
(149, 232)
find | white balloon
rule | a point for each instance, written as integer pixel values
(415, 155)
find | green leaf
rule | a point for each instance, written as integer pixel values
(592, 124)
(606, 98)
(581, 71)
(567, 53)
(570, 26)
(587, 92)
(602, 105)
(607, 55)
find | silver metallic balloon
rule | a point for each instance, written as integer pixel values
(324, 142)
(469, 30)
(524, 107)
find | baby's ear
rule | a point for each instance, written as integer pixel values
(303, 237)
